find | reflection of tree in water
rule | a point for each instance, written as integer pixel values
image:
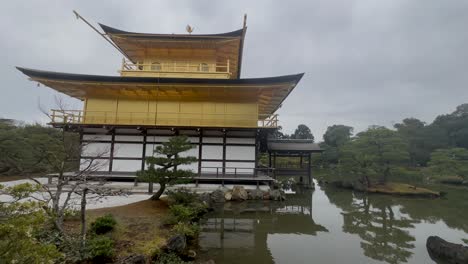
(447, 209)
(375, 221)
(238, 232)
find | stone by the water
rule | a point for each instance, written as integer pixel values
(276, 195)
(177, 243)
(451, 253)
(228, 196)
(217, 196)
(239, 193)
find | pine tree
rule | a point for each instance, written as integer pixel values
(162, 166)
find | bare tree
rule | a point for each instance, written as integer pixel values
(72, 175)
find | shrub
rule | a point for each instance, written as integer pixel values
(170, 258)
(182, 196)
(188, 230)
(103, 224)
(100, 248)
(182, 213)
(456, 180)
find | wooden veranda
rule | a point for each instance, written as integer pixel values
(292, 148)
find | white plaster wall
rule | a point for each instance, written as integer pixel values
(96, 149)
(126, 165)
(97, 137)
(97, 164)
(150, 148)
(128, 150)
(242, 167)
(194, 139)
(240, 153)
(129, 138)
(193, 167)
(192, 152)
(212, 152)
(162, 139)
(240, 140)
(212, 140)
(211, 164)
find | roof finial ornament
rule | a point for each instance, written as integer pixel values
(245, 20)
(189, 29)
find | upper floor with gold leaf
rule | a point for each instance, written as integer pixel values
(213, 56)
(171, 80)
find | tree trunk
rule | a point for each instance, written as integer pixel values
(368, 184)
(160, 192)
(83, 218)
(385, 174)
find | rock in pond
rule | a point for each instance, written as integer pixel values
(440, 249)
(177, 244)
(256, 194)
(217, 196)
(239, 193)
(276, 195)
(228, 196)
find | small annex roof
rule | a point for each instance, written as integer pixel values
(137, 46)
(269, 92)
(293, 145)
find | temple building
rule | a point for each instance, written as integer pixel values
(169, 85)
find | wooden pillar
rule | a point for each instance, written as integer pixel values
(200, 146)
(143, 154)
(176, 134)
(269, 159)
(256, 153)
(309, 170)
(224, 154)
(111, 154)
(274, 164)
(300, 163)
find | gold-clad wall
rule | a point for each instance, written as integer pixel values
(170, 113)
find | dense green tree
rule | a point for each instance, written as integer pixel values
(26, 149)
(22, 226)
(454, 126)
(414, 131)
(278, 133)
(334, 138)
(337, 135)
(302, 132)
(373, 153)
(449, 162)
(162, 166)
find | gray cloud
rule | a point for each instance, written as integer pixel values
(366, 61)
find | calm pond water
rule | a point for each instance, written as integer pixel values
(328, 225)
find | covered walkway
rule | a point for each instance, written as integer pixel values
(301, 149)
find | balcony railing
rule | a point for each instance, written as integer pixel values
(162, 119)
(175, 69)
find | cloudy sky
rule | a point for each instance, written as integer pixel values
(366, 61)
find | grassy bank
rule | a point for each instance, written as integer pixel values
(403, 189)
(140, 227)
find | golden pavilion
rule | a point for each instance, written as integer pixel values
(169, 85)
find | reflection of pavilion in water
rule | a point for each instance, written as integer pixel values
(247, 226)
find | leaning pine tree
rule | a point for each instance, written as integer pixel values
(162, 167)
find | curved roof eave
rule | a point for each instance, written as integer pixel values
(60, 76)
(114, 31)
